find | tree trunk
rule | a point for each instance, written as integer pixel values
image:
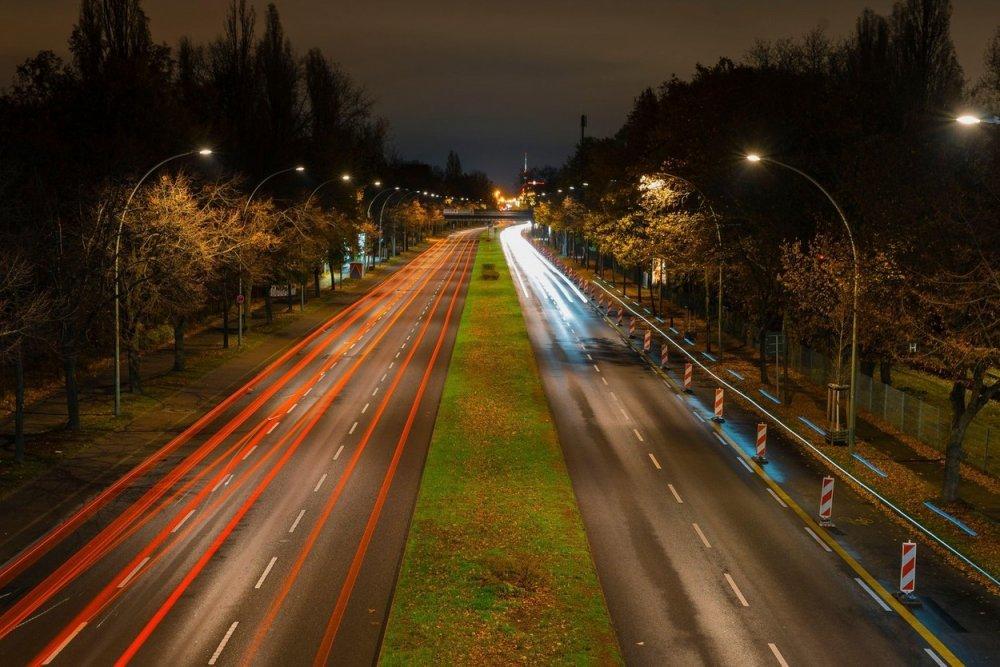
(134, 379)
(708, 311)
(762, 354)
(288, 298)
(885, 370)
(18, 405)
(180, 358)
(225, 322)
(247, 305)
(316, 281)
(867, 367)
(269, 304)
(955, 450)
(69, 359)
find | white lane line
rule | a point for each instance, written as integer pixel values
(320, 482)
(295, 524)
(934, 657)
(352, 346)
(52, 656)
(872, 593)
(777, 655)
(704, 540)
(655, 462)
(267, 571)
(323, 374)
(590, 357)
(228, 480)
(721, 439)
(677, 496)
(818, 540)
(397, 356)
(249, 452)
(776, 498)
(625, 414)
(402, 346)
(582, 346)
(744, 464)
(614, 396)
(391, 364)
(384, 377)
(218, 484)
(375, 392)
(638, 435)
(604, 380)
(222, 644)
(365, 409)
(291, 408)
(337, 455)
(596, 368)
(698, 415)
(273, 426)
(353, 426)
(408, 337)
(307, 392)
(186, 517)
(134, 572)
(732, 584)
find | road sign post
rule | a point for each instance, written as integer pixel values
(826, 503)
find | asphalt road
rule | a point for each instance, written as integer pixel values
(699, 561)
(272, 532)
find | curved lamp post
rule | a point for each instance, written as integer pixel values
(118, 240)
(718, 237)
(246, 207)
(852, 407)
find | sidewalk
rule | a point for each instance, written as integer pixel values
(62, 469)
(901, 469)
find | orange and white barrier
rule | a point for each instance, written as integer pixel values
(908, 570)
(719, 398)
(826, 502)
(664, 355)
(688, 375)
(761, 456)
(647, 341)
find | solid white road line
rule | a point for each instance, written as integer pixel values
(222, 644)
(777, 655)
(134, 572)
(744, 464)
(704, 540)
(365, 409)
(295, 524)
(267, 571)
(186, 517)
(677, 496)
(776, 498)
(249, 452)
(638, 435)
(934, 657)
(320, 483)
(818, 541)
(65, 642)
(655, 462)
(870, 592)
(353, 426)
(273, 426)
(732, 584)
(337, 455)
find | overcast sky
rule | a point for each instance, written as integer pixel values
(492, 80)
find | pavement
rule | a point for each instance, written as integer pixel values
(269, 532)
(700, 559)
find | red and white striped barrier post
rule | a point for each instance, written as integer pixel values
(719, 396)
(664, 355)
(621, 316)
(826, 503)
(647, 341)
(761, 456)
(908, 574)
(688, 375)
(631, 327)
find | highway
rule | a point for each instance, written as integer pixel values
(701, 562)
(269, 532)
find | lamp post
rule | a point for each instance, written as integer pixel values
(246, 207)
(118, 240)
(852, 407)
(718, 237)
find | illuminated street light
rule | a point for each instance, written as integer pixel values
(118, 240)
(377, 184)
(970, 119)
(345, 178)
(852, 407)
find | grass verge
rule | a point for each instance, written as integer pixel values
(497, 568)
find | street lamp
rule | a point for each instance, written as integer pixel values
(118, 240)
(246, 207)
(852, 407)
(718, 237)
(969, 119)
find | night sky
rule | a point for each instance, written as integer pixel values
(494, 79)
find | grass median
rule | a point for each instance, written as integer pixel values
(497, 568)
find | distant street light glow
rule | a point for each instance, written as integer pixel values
(345, 178)
(969, 119)
(205, 151)
(753, 157)
(300, 168)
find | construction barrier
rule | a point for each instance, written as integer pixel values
(647, 341)
(719, 397)
(761, 456)
(688, 375)
(664, 355)
(826, 502)
(908, 573)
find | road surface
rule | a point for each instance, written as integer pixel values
(272, 531)
(700, 562)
